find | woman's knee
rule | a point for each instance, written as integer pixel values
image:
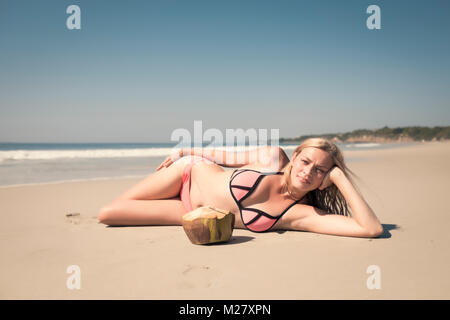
(103, 215)
(107, 213)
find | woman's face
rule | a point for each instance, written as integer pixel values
(309, 168)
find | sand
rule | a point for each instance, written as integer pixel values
(407, 187)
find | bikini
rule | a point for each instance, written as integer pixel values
(243, 183)
(185, 191)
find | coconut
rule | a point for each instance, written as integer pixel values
(208, 225)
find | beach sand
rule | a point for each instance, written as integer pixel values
(407, 187)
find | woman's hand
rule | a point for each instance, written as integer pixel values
(331, 177)
(170, 159)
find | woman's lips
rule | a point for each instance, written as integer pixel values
(303, 180)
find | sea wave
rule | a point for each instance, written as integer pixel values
(17, 155)
(24, 155)
(80, 154)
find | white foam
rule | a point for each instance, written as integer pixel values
(98, 153)
(17, 155)
(79, 154)
(362, 145)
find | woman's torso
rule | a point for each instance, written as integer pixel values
(210, 185)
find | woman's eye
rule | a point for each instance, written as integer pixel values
(305, 162)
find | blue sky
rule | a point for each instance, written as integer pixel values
(137, 70)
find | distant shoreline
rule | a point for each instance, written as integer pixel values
(383, 135)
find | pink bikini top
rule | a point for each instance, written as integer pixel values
(243, 183)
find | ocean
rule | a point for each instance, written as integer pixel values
(37, 163)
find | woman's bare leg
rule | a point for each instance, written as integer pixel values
(142, 212)
(162, 184)
(153, 201)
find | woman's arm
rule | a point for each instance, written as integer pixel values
(362, 213)
(268, 156)
(364, 222)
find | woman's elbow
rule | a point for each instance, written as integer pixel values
(375, 232)
(277, 157)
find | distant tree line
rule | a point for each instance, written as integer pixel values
(386, 133)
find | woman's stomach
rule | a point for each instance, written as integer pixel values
(209, 186)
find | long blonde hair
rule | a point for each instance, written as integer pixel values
(330, 199)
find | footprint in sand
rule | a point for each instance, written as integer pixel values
(197, 276)
(76, 218)
(73, 218)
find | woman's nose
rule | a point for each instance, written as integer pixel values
(307, 170)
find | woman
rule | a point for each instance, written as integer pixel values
(310, 192)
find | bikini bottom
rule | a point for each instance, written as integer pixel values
(185, 192)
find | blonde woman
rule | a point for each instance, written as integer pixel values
(311, 192)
